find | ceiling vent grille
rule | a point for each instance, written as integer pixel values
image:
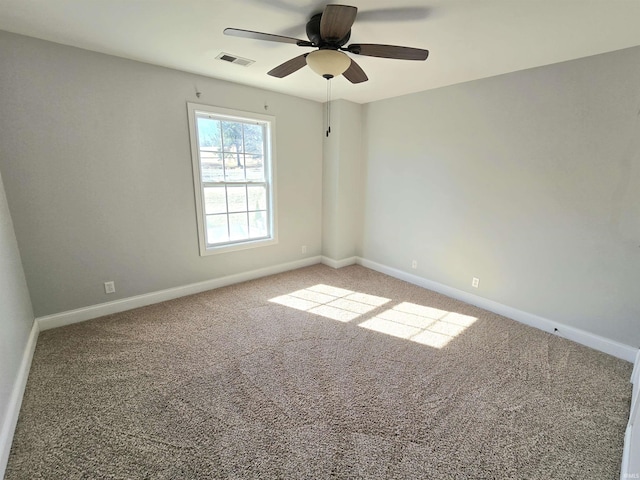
(227, 57)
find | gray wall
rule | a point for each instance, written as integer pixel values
(529, 181)
(95, 155)
(16, 316)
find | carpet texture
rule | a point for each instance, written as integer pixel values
(318, 373)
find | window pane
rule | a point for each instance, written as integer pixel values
(257, 197)
(209, 133)
(211, 166)
(253, 139)
(255, 167)
(234, 167)
(232, 136)
(237, 198)
(215, 200)
(217, 229)
(238, 226)
(258, 224)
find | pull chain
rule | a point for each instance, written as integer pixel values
(328, 106)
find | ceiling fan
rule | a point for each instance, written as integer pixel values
(329, 31)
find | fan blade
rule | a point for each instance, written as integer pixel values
(394, 14)
(388, 51)
(336, 22)
(355, 74)
(288, 67)
(236, 32)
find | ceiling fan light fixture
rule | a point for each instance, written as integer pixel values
(328, 63)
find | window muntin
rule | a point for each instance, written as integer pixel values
(233, 176)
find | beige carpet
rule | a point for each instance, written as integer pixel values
(318, 373)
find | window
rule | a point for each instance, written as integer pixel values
(233, 166)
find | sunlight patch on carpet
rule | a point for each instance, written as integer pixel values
(331, 302)
(420, 324)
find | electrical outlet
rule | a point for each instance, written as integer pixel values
(414, 264)
(304, 249)
(475, 282)
(109, 287)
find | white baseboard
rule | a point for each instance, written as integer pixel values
(631, 452)
(591, 340)
(345, 262)
(635, 376)
(15, 401)
(102, 309)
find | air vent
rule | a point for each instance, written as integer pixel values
(227, 57)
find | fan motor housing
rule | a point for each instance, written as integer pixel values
(313, 32)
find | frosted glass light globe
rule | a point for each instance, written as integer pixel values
(328, 63)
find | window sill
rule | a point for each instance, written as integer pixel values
(206, 251)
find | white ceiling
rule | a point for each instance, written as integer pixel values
(467, 39)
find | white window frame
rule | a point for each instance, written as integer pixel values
(269, 121)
